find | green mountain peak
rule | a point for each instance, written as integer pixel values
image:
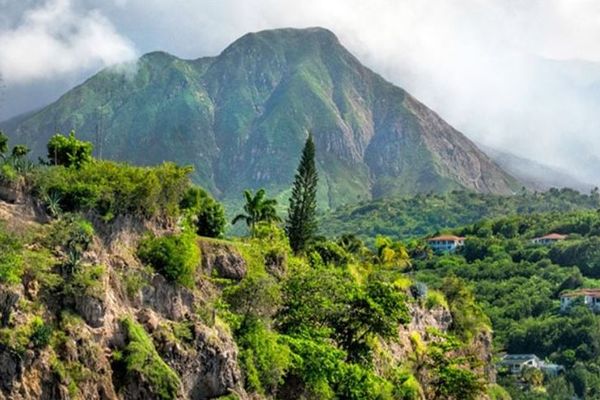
(241, 118)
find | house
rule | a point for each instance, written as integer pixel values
(516, 363)
(549, 239)
(446, 243)
(591, 298)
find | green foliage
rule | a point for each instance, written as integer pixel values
(41, 333)
(583, 253)
(258, 208)
(175, 256)
(301, 224)
(3, 144)
(420, 215)
(141, 357)
(329, 301)
(33, 333)
(111, 189)
(11, 259)
(265, 357)
(257, 296)
(20, 151)
(206, 214)
(330, 252)
(69, 151)
(87, 281)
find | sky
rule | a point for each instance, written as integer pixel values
(518, 75)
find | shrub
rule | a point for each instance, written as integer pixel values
(41, 333)
(435, 299)
(110, 189)
(207, 215)
(140, 356)
(174, 256)
(330, 252)
(69, 151)
(11, 260)
(265, 357)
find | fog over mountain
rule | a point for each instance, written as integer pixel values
(520, 76)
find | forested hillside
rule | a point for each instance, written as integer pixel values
(116, 283)
(518, 284)
(416, 216)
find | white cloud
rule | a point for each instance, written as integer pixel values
(54, 39)
(489, 67)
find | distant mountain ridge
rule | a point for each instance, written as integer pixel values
(241, 119)
(535, 175)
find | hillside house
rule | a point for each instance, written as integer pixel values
(516, 363)
(549, 239)
(591, 298)
(445, 243)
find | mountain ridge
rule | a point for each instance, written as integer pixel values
(241, 118)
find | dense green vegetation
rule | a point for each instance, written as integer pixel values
(176, 256)
(424, 214)
(316, 321)
(518, 285)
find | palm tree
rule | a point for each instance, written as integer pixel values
(258, 208)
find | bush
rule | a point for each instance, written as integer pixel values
(330, 252)
(265, 357)
(69, 151)
(140, 356)
(207, 215)
(174, 256)
(11, 260)
(110, 189)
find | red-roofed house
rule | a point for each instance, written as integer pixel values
(446, 243)
(591, 298)
(549, 239)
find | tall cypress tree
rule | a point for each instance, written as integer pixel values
(301, 224)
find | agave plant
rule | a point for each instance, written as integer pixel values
(52, 203)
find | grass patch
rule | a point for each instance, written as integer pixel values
(140, 356)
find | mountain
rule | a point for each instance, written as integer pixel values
(241, 118)
(535, 175)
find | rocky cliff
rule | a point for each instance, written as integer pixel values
(116, 329)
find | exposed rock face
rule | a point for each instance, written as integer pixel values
(222, 259)
(91, 309)
(276, 263)
(8, 299)
(83, 355)
(241, 119)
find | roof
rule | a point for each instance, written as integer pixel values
(553, 236)
(581, 293)
(519, 357)
(445, 237)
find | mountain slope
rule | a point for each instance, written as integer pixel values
(241, 119)
(534, 175)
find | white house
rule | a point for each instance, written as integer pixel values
(516, 363)
(551, 238)
(591, 298)
(446, 243)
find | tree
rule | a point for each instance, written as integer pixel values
(69, 151)
(301, 224)
(3, 145)
(258, 208)
(206, 214)
(20, 151)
